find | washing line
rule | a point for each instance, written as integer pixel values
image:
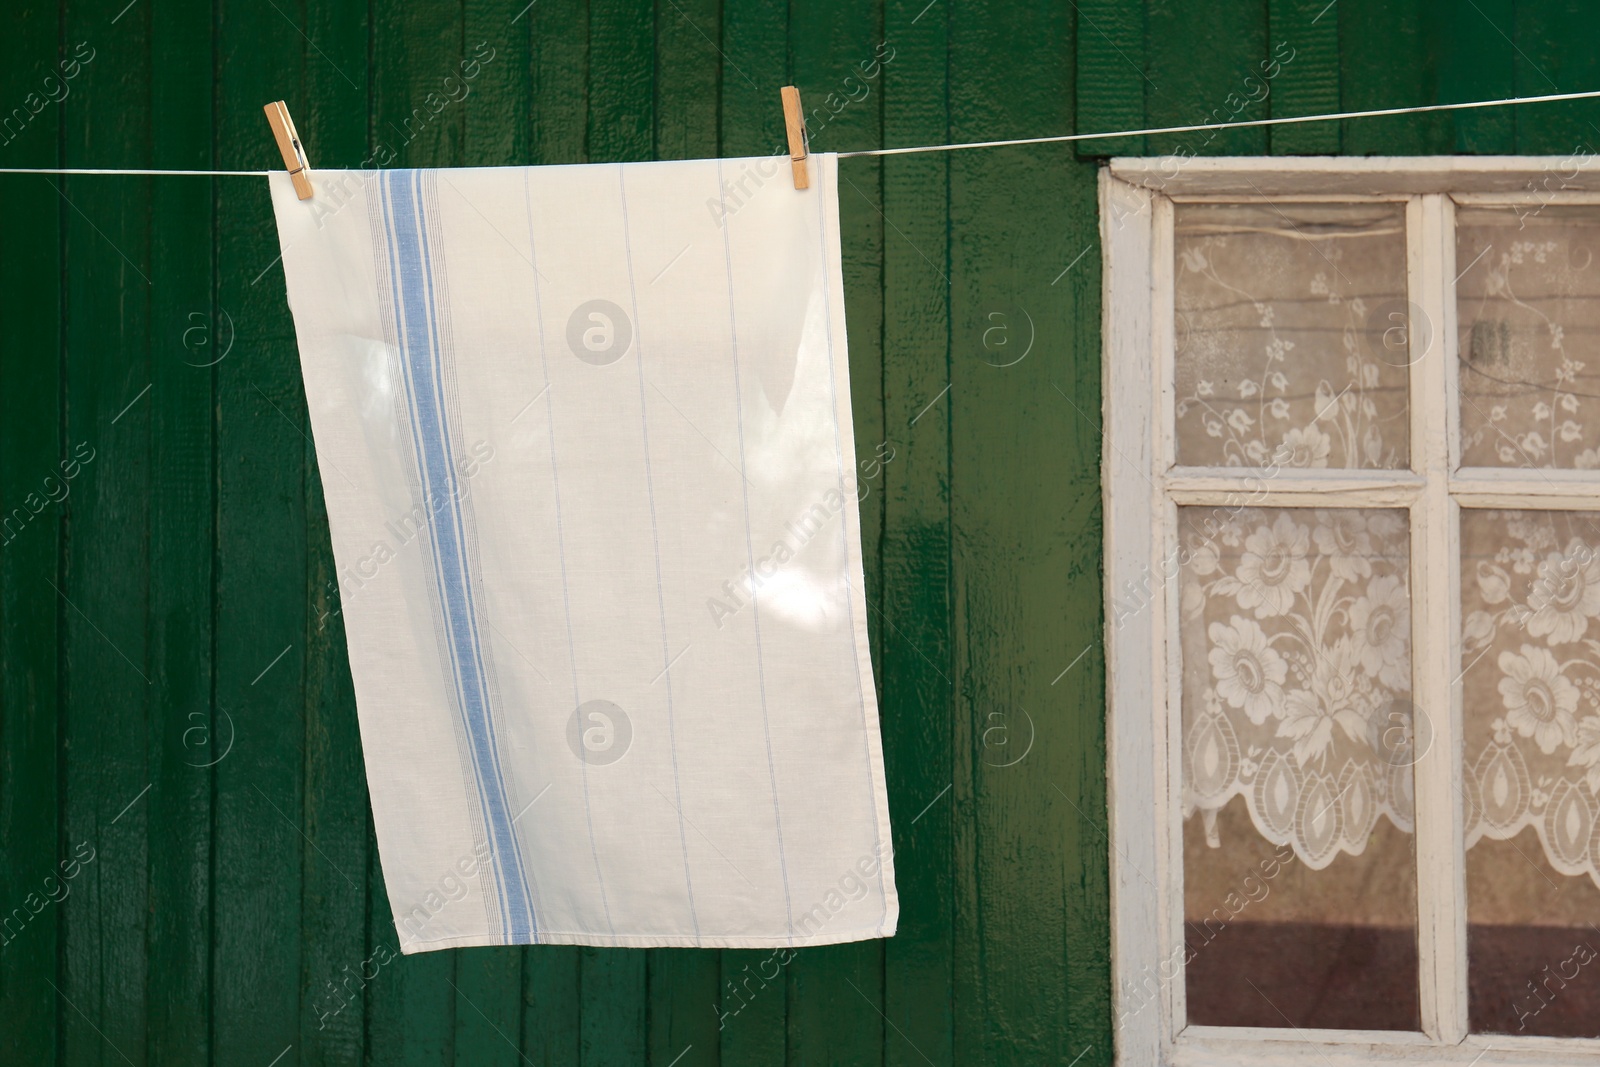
(1151, 131)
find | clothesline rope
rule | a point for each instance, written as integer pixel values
(1244, 124)
(1334, 116)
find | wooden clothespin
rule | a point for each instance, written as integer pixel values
(795, 120)
(294, 154)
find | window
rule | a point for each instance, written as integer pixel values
(1352, 477)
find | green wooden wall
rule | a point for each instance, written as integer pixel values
(175, 702)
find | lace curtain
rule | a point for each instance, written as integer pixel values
(1528, 301)
(1530, 591)
(1528, 304)
(1292, 335)
(1293, 342)
(1296, 645)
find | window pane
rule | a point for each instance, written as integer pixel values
(1528, 312)
(1292, 335)
(1299, 868)
(1530, 592)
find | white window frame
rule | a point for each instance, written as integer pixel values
(1143, 488)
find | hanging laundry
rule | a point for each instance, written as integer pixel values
(584, 434)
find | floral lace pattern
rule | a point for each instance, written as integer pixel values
(1530, 605)
(1528, 308)
(1291, 335)
(1296, 644)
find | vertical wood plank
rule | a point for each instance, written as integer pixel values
(338, 960)
(495, 97)
(551, 1014)
(753, 1008)
(488, 1007)
(1200, 60)
(622, 80)
(1477, 61)
(1551, 45)
(560, 69)
(1388, 58)
(32, 448)
(688, 79)
(261, 563)
(755, 65)
(410, 1005)
(414, 48)
(188, 739)
(1110, 82)
(835, 993)
(1302, 74)
(683, 1019)
(340, 957)
(1031, 968)
(913, 612)
(613, 1005)
(105, 583)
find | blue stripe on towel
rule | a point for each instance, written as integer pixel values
(423, 358)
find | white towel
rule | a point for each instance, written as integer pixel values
(585, 440)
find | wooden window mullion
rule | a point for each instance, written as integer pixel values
(1435, 615)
